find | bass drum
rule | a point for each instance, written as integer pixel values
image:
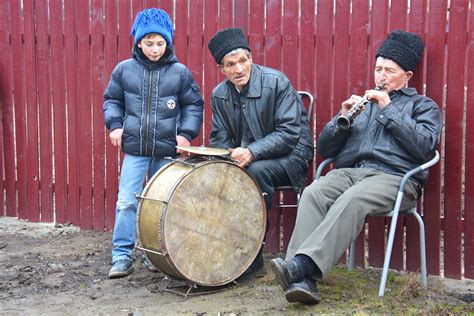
(201, 220)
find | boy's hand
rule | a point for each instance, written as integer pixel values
(182, 141)
(116, 137)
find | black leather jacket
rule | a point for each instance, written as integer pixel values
(277, 121)
(394, 140)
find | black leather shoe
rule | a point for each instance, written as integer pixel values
(305, 292)
(285, 272)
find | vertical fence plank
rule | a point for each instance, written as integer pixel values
(125, 21)
(378, 32)
(181, 31)
(241, 15)
(6, 97)
(98, 82)
(211, 71)
(58, 88)
(306, 80)
(8, 118)
(84, 113)
(273, 34)
(33, 213)
(435, 62)
(167, 5)
(72, 215)
(256, 30)
(112, 156)
(398, 15)
(469, 171)
(225, 14)
(44, 108)
(138, 6)
(20, 110)
(196, 49)
(324, 19)
(454, 136)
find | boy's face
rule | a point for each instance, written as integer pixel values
(153, 46)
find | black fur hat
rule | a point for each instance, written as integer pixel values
(404, 48)
(225, 41)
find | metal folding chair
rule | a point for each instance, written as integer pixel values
(285, 188)
(394, 215)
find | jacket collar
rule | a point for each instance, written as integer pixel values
(168, 58)
(406, 91)
(254, 85)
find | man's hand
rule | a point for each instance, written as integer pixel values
(381, 98)
(349, 103)
(243, 156)
(182, 141)
(116, 137)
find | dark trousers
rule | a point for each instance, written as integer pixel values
(268, 174)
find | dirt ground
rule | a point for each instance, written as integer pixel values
(46, 269)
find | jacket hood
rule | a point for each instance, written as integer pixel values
(168, 58)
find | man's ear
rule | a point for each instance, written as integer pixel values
(409, 75)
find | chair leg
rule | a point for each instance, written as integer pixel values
(424, 272)
(391, 237)
(350, 265)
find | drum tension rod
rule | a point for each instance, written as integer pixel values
(152, 251)
(151, 199)
(181, 161)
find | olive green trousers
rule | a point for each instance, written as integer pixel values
(332, 211)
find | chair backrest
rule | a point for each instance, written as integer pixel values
(309, 109)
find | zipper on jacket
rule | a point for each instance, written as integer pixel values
(227, 114)
(155, 122)
(147, 131)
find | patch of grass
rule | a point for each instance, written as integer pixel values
(356, 292)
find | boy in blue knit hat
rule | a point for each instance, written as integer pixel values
(151, 105)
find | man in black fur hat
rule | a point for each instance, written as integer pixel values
(398, 130)
(260, 118)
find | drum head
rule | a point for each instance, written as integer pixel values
(214, 223)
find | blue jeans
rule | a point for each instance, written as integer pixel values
(132, 177)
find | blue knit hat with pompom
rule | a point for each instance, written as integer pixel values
(153, 20)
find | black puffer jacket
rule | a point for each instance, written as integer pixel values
(277, 121)
(394, 140)
(153, 102)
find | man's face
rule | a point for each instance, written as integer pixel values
(153, 46)
(390, 74)
(237, 68)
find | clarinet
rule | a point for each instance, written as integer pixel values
(345, 121)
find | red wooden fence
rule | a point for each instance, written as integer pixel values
(56, 163)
